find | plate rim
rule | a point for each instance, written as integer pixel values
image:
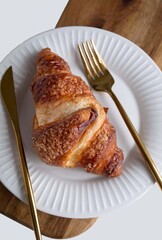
(82, 27)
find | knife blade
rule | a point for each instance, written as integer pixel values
(9, 99)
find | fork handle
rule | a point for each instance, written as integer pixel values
(153, 169)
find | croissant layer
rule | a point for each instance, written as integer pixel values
(70, 127)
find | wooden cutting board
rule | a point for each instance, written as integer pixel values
(138, 20)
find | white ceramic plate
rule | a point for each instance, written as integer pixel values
(72, 192)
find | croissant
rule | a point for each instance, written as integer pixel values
(70, 127)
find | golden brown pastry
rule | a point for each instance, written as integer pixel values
(70, 127)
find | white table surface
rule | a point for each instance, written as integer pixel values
(20, 20)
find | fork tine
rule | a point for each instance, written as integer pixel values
(97, 65)
(98, 57)
(89, 60)
(86, 66)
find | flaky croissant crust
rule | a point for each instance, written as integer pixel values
(70, 127)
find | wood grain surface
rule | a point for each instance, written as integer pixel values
(138, 20)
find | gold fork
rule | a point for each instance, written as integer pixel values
(100, 79)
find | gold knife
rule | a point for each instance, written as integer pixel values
(8, 96)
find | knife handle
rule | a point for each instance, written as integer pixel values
(9, 98)
(28, 185)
